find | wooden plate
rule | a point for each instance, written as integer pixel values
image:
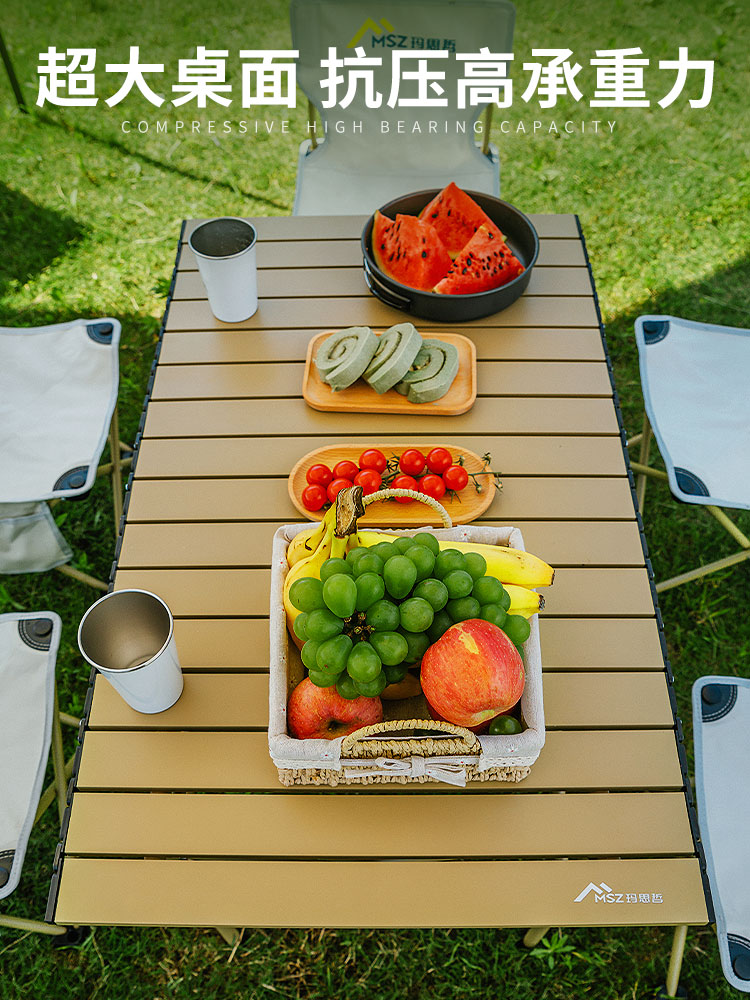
(362, 399)
(467, 506)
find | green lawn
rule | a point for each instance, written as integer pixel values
(89, 220)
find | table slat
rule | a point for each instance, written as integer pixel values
(542, 498)
(329, 227)
(325, 313)
(520, 415)
(268, 381)
(587, 700)
(387, 825)
(282, 345)
(234, 544)
(194, 761)
(237, 457)
(312, 894)
(280, 283)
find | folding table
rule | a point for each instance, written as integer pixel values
(179, 819)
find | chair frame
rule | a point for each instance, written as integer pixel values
(645, 472)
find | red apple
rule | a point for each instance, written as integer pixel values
(316, 713)
(472, 673)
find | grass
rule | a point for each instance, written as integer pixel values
(89, 219)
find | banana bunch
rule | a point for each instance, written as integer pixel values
(320, 544)
(509, 565)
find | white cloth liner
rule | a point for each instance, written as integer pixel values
(497, 751)
(695, 386)
(722, 755)
(27, 679)
(58, 391)
(353, 172)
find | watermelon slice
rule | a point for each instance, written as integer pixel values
(409, 251)
(486, 262)
(455, 217)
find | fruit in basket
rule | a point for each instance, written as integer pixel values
(409, 251)
(513, 566)
(485, 262)
(505, 725)
(472, 673)
(321, 713)
(455, 217)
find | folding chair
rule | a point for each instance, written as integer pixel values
(31, 722)
(695, 388)
(721, 730)
(58, 407)
(359, 165)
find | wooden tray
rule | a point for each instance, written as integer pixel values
(389, 513)
(362, 399)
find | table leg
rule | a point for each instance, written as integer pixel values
(675, 959)
(533, 936)
(232, 935)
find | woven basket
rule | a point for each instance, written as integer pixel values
(400, 750)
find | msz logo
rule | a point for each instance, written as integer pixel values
(604, 893)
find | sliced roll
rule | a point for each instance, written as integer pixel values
(343, 357)
(431, 374)
(397, 349)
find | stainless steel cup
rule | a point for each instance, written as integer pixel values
(225, 251)
(128, 635)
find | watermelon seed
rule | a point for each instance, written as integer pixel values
(424, 252)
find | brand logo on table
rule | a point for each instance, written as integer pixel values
(604, 893)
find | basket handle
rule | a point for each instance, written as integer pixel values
(399, 741)
(351, 503)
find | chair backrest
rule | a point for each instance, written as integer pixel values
(393, 26)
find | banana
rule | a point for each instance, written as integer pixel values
(509, 565)
(305, 543)
(523, 601)
(329, 547)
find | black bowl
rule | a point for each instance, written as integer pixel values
(520, 236)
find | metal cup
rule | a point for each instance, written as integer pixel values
(128, 635)
(225, 251)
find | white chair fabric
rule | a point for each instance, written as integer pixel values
(28, 652)
(58, 391)
(695, 387)
(352, 172)
(721, 729)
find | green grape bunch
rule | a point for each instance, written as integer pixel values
(374, 614)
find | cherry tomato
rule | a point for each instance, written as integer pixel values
(402, 482)
(314, 496)
(345, 470)
(369, 480)
(438, 460)
(372, 458)
(412, 462)
(432, 485)
(338, 484)
(319, 474)
(455, 477)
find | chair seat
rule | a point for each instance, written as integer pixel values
(58, 389)
(694, 378)
(28, 652)
(721, 727)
